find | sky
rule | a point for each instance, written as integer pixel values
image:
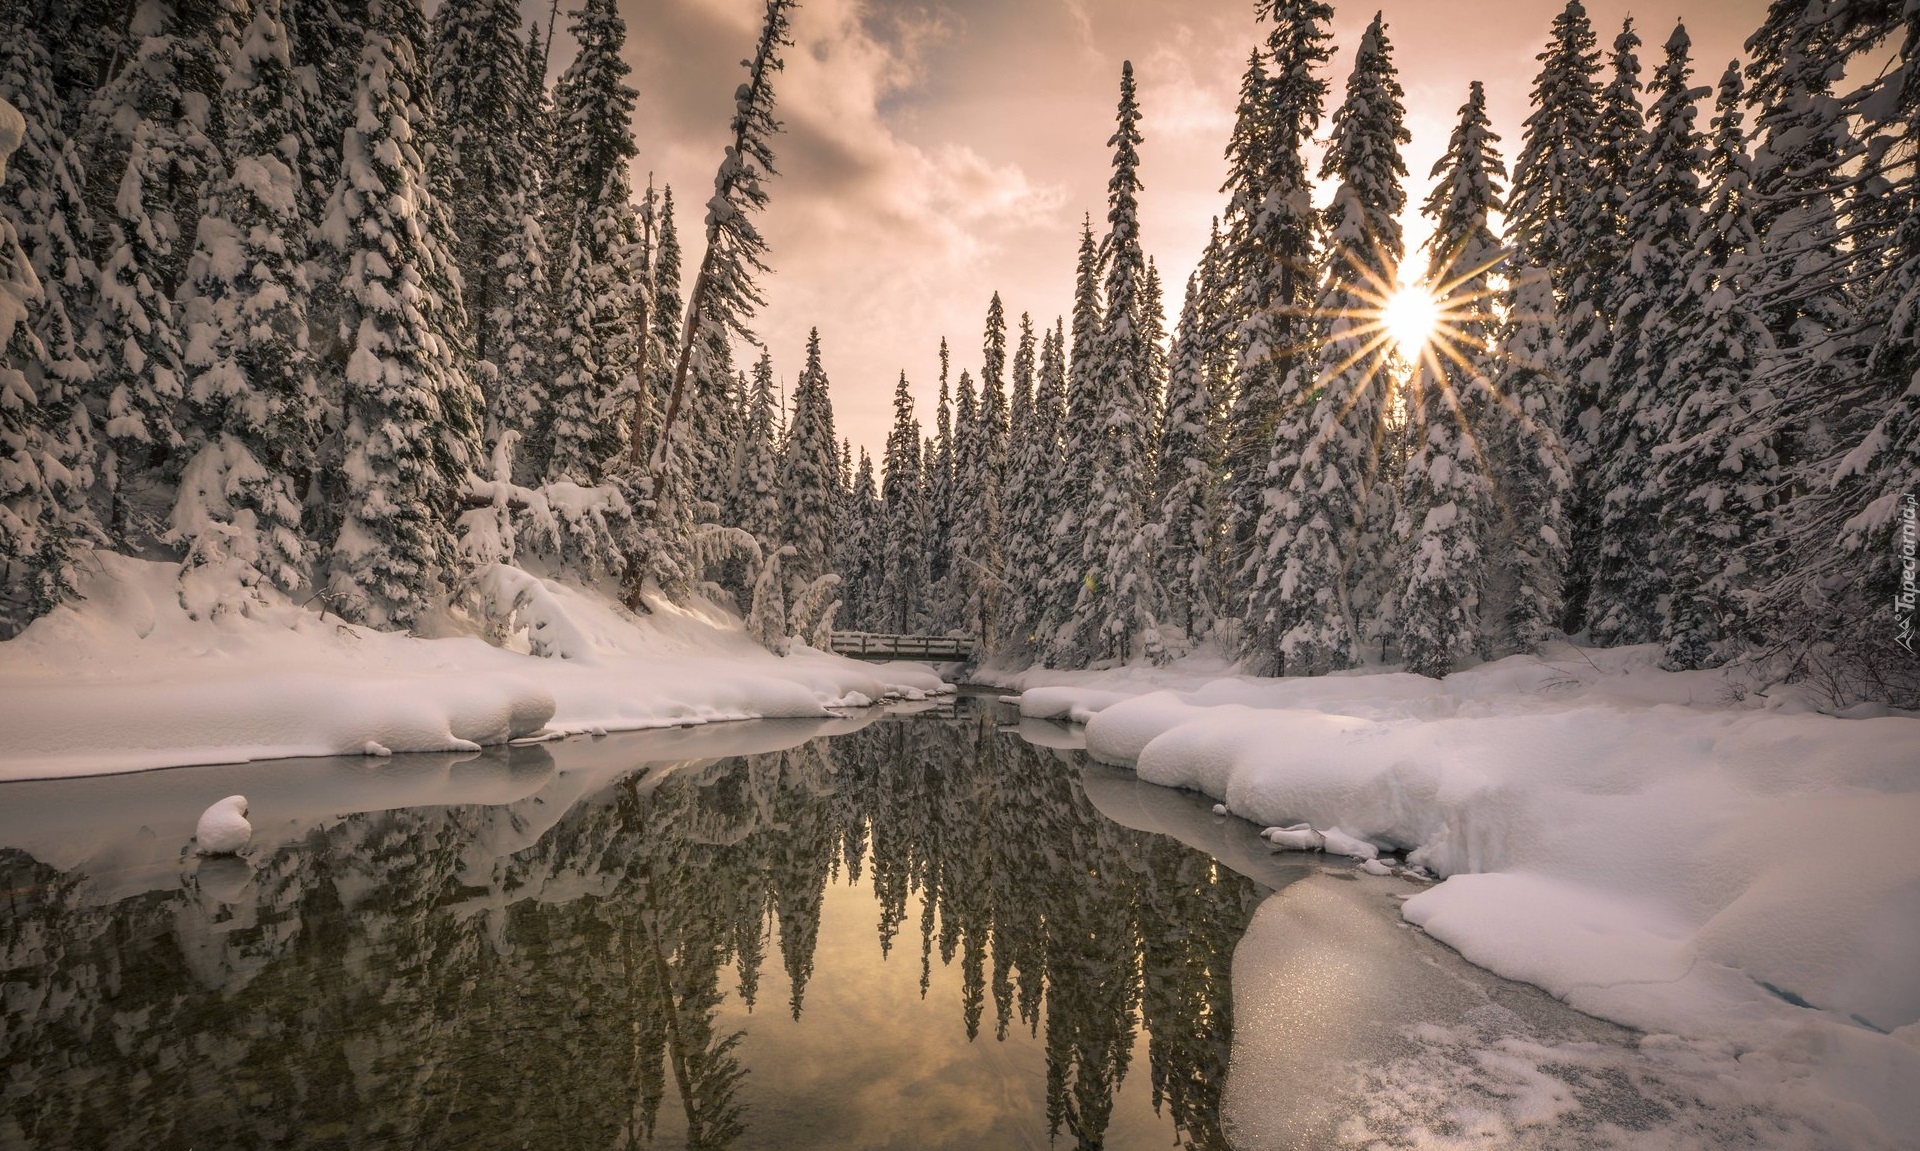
(937, 151)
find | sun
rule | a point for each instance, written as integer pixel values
(1410, 316)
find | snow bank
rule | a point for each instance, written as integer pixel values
(1643, 845)
(127, 679)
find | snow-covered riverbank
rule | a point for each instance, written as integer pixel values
(126, 680)
(1650, 847)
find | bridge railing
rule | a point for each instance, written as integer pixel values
(871, 645)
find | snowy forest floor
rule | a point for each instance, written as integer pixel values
(1725, 871)
(125, 679)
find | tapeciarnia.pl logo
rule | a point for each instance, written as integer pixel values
(1904, 600)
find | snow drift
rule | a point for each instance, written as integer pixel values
(1646, 846)
(127, 679)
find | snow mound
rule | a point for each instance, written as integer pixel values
(128, 678)
(223, 828)
(1633, 841)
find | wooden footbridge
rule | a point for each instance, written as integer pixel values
(932, 648)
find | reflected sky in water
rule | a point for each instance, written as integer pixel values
(917, 933)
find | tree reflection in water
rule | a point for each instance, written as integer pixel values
(452, 977)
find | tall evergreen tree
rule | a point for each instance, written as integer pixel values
(1025, 501)
(756, 507)
(809, 473)
(35, 543)
(601, 286)
(905, 516)
(1552, 175)
(1445, 519)
(47, 453)
(941, 504)
(1057, 586)
(1527, 460)
(982, 465)
(412, 417)
(1715, 473)
(1311, 526)
(1118, 600)
(1649, 304)
(1596, 246)
(156, 140)
(1186, 547)
(723, 297)
(252, 390)
(479, 78)
(1275, 260)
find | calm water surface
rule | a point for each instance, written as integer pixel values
(917, 933)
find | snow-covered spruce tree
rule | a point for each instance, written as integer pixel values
(1024, 503)
(664, 313)
(36, 540)
(939, 478)
(1308, 533)
(1532, 478)
(1154, 369)
(49, 440)
(1185, 533)
(251, 387)
(1446, 519)
(756, 505)
(602, 272)
(479, 78)
(904, 520)
(1051, 585)
(723, 297)
(1553, 172)
(1841, 377)
(969, 474)
(1118, 602)
(1079, 433)
(857, 550)
(1714, 471)
(809, 474)
(412, 433)
(1649, 302)
(44, 200)
(1596, 246)
(153, 143)
(1272, 224)
(981, 462)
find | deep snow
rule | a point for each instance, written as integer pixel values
(126, 679)
(1657, 849)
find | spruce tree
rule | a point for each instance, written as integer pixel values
(412, 418)
(756, 507)
(479, 78)
(1025, 502)
(36, 542)
(1532, 477)
(724, 297)
(1057, 586)
(1596, 247)
(47, 452)
(1445, 519)
(941, 505)
(905, 518)
(1311, 527)
(601, 285)
(155, 141)
(1649, 303)
(1553, 173)
(859, 550)
(1189, 457)
(1079, 434)
(1715, 474)
(251, 388)
(809, 474)
(1118, 600)
(1274, 258)
(982, 464)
